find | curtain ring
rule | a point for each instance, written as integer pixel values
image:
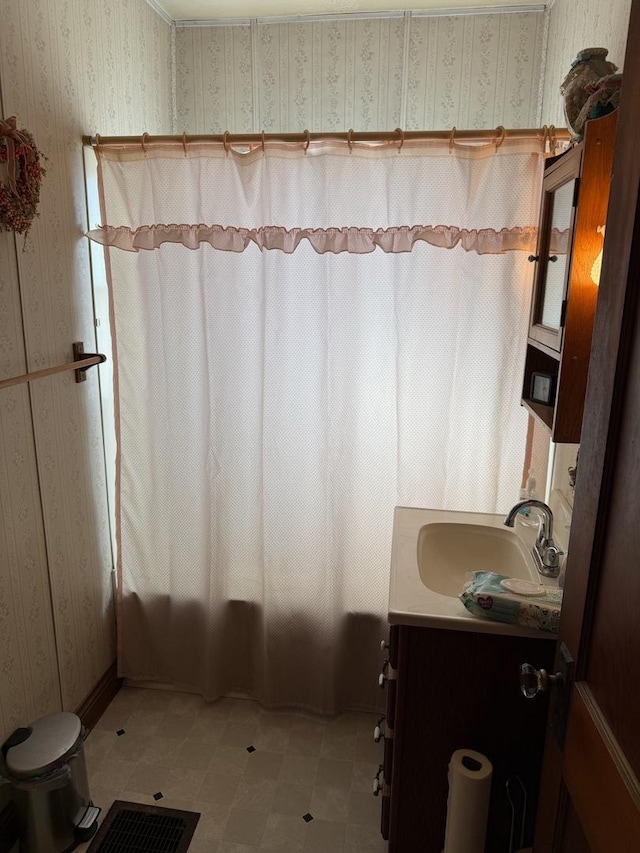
(401, 132)
(225, 142)
(350, 139)
(503, 134)
(184, 142)
(308, 138)
(452, 138)
(143, 141)
(544, 138)
(97, 138)
(552, 138)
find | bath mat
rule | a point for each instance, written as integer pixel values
(136, 828)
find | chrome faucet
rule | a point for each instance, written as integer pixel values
(545, 552)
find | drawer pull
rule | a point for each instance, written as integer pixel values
(378, 732)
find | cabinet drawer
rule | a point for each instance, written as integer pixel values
(387, 680)
(384, 816)
(384, 779)
(387, 761)
(391, 703)
(394, 632)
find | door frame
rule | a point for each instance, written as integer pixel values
(614, 330)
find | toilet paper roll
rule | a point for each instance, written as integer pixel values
(468, 802)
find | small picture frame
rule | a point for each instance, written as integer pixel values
(543, 388)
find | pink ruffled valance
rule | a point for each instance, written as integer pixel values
(354, 240)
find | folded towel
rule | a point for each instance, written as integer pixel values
(484, 595)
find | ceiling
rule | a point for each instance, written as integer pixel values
(201, 10)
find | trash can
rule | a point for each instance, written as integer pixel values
(46, 767)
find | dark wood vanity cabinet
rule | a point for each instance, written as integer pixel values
(573, 214)
(452, 690)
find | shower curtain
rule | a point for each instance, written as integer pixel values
(303, 339)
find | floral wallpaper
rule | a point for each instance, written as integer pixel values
(29, 684)
(67, 67)
(573, 26)
(413, 71)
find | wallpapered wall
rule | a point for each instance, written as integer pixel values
(368, 74)
(574, 25)
(67, 67)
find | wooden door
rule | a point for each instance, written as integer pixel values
(590, 793)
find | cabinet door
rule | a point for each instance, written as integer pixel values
(459, 690)
(553, 258)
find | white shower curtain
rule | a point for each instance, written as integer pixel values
(274, 406)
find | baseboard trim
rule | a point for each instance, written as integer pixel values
(98, 700)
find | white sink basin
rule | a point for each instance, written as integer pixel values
(448, 551)
(434, 550)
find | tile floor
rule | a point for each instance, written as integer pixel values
(195, 755)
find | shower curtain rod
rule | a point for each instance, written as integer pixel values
(498, 135)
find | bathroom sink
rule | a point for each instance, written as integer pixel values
(449, 551)
(434, 551)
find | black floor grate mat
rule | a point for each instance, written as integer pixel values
(136, 828)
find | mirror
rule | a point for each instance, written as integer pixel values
(561, 211)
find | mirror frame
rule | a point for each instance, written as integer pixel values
(565, 169)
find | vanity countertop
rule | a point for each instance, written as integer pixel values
(413, 603)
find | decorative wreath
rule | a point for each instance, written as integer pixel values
(20, 177)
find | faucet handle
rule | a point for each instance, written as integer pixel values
(551, 556)
(543, 530)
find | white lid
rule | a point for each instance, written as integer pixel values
(53, 738)
(522, 587)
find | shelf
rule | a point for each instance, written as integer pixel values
(539, 360)
(554, 354)
(543, 413)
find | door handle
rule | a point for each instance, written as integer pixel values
(534, 681)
